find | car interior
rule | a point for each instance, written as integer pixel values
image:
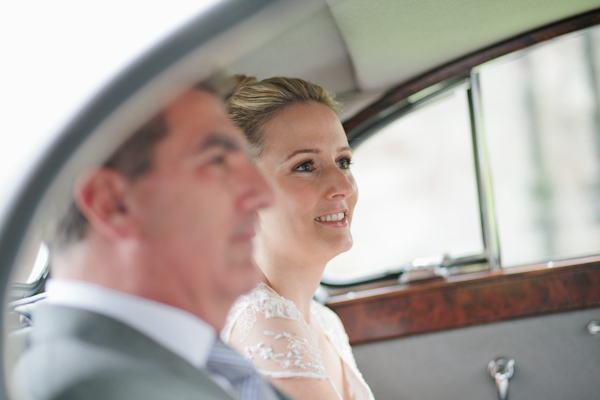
(475, 272)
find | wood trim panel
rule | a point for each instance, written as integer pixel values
(462, 66)
(403, 310)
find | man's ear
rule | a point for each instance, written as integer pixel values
(257, 222)
(100, 195)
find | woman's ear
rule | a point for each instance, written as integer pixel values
(100, 195)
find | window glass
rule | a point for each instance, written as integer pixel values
(417, 191)
(541, 116)
(32, 264)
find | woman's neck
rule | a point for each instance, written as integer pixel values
(290, 279)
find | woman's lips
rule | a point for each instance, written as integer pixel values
(335, 219)
(332, 216)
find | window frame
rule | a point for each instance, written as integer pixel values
(419, 92)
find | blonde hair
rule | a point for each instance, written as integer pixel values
(253, 103)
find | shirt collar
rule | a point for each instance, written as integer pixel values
(179, 331)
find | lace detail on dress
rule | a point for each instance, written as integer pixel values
(270, 331)
(301, 356)
(262, 301)
(273, 307)
(246, 322)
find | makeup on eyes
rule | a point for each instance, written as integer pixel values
(307, 162)
(348, 161)
(311, 163)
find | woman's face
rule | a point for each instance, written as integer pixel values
(306, 159)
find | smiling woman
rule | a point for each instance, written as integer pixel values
(307, 160)
(302, 150)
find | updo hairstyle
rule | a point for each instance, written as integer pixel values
(253, 103)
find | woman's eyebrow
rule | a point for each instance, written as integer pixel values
(316, 151)
(311, 151)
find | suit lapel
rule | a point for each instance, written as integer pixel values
(60, 323)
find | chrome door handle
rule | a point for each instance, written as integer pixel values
(501, 370)
(593, 327)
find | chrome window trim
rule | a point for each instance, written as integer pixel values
(489, 223)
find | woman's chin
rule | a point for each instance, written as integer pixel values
(339, 247)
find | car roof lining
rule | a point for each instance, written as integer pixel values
(388, 42)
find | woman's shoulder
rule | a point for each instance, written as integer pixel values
(270, 331)
(329, 320)
(334, 329)
(261, 309)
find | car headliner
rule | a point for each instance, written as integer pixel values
(359, 49)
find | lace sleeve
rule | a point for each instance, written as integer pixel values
(335, 331)
(270, 331)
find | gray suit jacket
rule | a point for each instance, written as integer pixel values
(75, 354)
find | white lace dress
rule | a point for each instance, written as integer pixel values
(275, 336)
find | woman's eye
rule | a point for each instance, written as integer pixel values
(304, 167)
(344, 163)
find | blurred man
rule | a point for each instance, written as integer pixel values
(153, 252)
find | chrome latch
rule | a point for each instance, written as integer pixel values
(593, 327)
(501, 370)
(425, 268)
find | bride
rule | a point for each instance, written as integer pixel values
(299, 144)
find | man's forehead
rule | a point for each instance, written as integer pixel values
(201, 114)
(196, 109)
(197, 99)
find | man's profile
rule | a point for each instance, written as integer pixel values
(147, 262)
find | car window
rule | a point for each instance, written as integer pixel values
(540, 137)
(417, 191)
(541, 113)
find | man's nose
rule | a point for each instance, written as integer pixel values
(258, 193)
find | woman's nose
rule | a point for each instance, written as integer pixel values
(341, 184)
